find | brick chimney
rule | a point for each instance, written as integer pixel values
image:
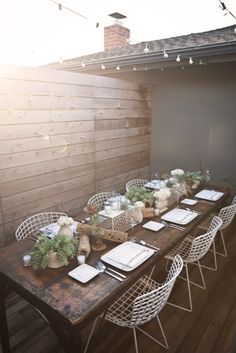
(116, 35)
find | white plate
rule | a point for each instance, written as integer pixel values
(211, 195)
(155, 226)
(113, 213)
(179, 216)
(190, 202)
(153, 184)
(83, 273)
(127, 256)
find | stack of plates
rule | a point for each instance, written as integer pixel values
(127, 256)
(179, 216)
(211, 195)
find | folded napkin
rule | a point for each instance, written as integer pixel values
(128, 255)
(53, 228)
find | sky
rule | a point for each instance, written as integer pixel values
(36, 32)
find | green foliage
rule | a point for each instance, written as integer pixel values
(95, 219)
(64, 246)
(194, 176)
(139, 194)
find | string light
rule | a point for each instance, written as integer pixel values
(190, 61)
(97, 24)
(103, 67)
(83, 64)
(178, 58)
(118, 68)
(134, 68)
(165, 54)
(146, 50)
(225, 10)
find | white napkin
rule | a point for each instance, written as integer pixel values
(127, 255)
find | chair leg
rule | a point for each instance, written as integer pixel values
(223, 243)
(202, 277)
(215, 259)
(90, 334)
(167, 263)
(135, 340)
(163, 344)
(190, 309)
(224, 253)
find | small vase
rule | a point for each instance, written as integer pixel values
(66, 230)
(53, 261)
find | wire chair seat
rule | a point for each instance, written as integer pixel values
(136, 183)
(31, 225)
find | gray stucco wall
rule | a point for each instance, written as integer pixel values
(193, 119)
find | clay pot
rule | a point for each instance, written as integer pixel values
(53, 261)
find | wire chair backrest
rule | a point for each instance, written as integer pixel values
(31, 225)
(136, 183)
(147, 306)
(99, 199)
(201, 244)
(234, 200)
(227, 214)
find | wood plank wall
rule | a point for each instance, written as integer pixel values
(64, 137)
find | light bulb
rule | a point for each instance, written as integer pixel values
(83, 64)
(146, 49)
(118, 68)
(178, 58)
(190, 61)
(165, 54)
(134, 68)
(103, 67)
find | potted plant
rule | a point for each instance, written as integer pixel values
(139, 194)
(65, 224)
(54, 252)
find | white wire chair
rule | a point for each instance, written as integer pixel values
(31, 225)
(141, 303)
(99, 199)
(192, 249)
(227, 215)
(136, 183)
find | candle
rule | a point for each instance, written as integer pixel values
(27, 260)
(107, 208)
(81, 259)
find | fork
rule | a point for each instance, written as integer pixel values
(101, 265)
(101, 270)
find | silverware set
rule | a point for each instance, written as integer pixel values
(109, 271)
(172, 225)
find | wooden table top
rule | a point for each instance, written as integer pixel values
(76, 304)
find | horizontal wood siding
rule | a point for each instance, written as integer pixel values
(64, 137)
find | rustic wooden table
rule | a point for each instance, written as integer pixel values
(67, 304)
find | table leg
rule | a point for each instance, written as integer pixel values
(69, 339)
(4, 334)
